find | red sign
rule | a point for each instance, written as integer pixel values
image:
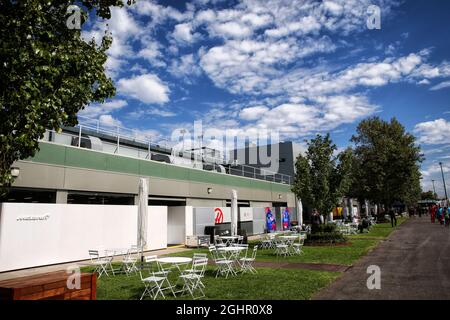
(219, 215)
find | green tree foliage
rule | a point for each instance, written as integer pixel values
(321, 177)
(428, 195)
(48, 73)
(386, 163)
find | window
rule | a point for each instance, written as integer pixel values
(99, 198)
(29, 196)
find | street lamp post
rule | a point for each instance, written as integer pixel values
(443, 180)
(434, 189)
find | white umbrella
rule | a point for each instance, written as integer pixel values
(366, 202)
(234, 212)
(142, 214)
(300, 212)
(350, 202)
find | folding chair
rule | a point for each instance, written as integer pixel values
(193, 280)
(218, 242)
(247, 262)
(152, 284)
(297, 246)
(224, 265)
(130, 260)
(281, 249)
(100, 263)
(161, 272)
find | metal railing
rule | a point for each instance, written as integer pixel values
(116, 141)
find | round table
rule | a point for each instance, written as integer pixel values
(229, 239)
(175, 262)
(231, 252)
(289, 237)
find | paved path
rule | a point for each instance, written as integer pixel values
(414, 263)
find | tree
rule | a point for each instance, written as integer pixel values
(386, 163)
(428, 195)
(321, 177)
(48, 73)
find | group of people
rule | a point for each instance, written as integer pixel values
(441, 214)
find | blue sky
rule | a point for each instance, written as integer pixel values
(300, 67)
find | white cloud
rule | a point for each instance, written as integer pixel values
(183, 33)
(152, 53)
(433, 132)
(187, 67)
(147, 88)
(442, 85)
(109, 121)
(97, 109)
(253, 113)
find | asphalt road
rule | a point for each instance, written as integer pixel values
(414, 264)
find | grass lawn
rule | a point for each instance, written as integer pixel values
(360, 244)
(290, 283)
(380, 231)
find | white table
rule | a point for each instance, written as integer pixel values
(175, 262)
(231, 253)
(289, 237)
(229, 239)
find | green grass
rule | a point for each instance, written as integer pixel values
(380, 231)
(359, 245)
(268, 283)
(324, 254)
(290, 284)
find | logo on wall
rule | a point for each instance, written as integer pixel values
(286, 219)
(219, 215)
(270, 220)
(34, 218)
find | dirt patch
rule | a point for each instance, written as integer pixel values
(303, 265)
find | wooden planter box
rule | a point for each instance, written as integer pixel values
(48, 286)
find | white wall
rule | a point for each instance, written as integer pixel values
(34, 234)
(176, 228)
(189, 220)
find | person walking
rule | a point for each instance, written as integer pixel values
(441, 215)
(446, 216)
(433, 210)
(393, 217)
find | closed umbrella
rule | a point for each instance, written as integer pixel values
(350, 202)
(300, 212)
(142, 214)
(234, 212)
(366, 202)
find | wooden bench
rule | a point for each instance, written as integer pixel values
(51, 286)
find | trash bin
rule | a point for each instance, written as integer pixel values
(244, 234)
(211, 232)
